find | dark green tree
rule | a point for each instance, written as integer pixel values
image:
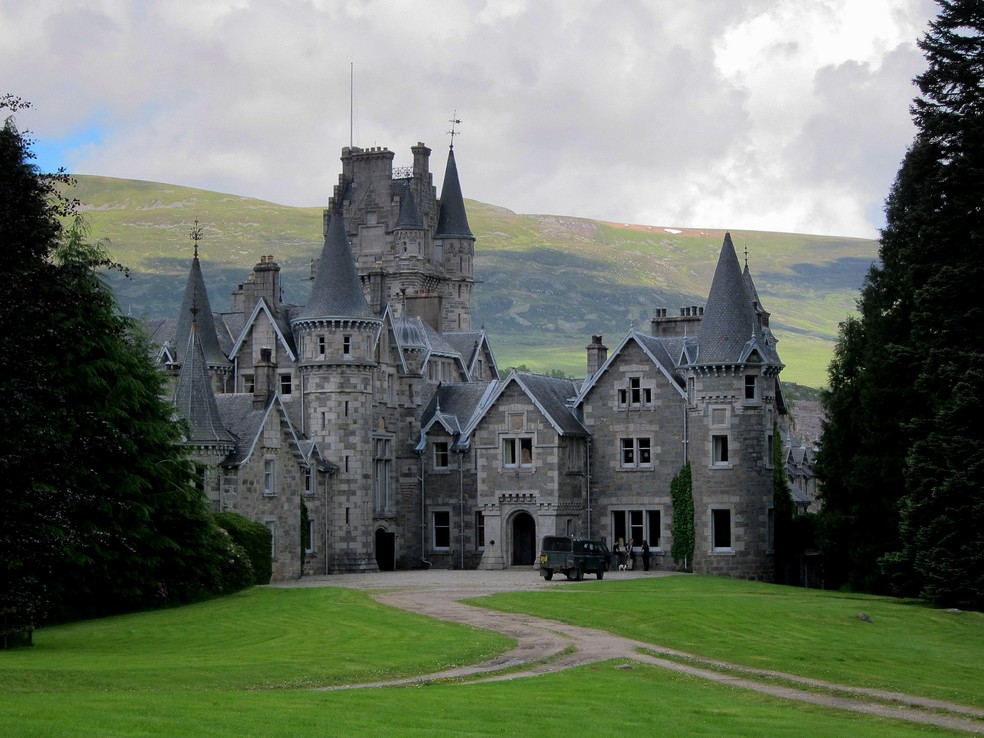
(98, 510)
(783, 543)
(682, 494)
(901, 457)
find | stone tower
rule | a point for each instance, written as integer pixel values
(731, 407)
(336, 334)
(411, 250)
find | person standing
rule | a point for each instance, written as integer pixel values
(645, 555)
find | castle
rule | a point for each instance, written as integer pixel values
(370, 428)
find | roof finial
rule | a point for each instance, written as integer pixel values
(746, 256)
(196, 236)
(455, 121)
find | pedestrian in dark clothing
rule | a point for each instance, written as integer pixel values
(645, 555)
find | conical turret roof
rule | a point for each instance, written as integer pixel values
(196, 298)
(337, 290)
(409, 214)
(452, 222)
(729, 319)
(193, 396)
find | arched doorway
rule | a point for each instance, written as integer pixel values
(523, 539)
(385, 550)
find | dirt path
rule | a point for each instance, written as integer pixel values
(546, 646)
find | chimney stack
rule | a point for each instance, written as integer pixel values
(597, 355)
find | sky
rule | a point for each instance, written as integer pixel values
(776, 115)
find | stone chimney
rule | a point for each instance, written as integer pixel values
(264, 378)
(597, 355)
(684, 324)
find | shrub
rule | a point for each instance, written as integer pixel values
(255, 539)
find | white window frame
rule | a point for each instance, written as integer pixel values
(269, 477)
(720, 451)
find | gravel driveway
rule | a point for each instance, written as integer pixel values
(545, 646)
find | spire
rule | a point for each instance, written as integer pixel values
(196, 297)
(452, 221)
(728, 316)
(337, 290)
(409, 217)
(193, 396)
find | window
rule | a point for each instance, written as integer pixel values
(248, 385)
(636, 452)
(721, 530)
(719, 450)
(442, 529)
(308, 535)
(438, 251)
(308, 481)
(479, 530)
(441, 455)
(517, 451)
(286, 385)
(692, 391)
(269, 468)
(751, 387)
(635, 391)
(381, 468)
(272, 526)
(639, 525)
(347, 345)
(321, 347)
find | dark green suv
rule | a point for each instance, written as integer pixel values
(573, 556)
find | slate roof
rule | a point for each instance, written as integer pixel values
(730, 331)
(196, 296)
(409, 214)
(337, 290)
(452, 221)
(244, 420)
(454, 406)
(195, 401)
(551, 395)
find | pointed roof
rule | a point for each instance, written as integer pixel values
(409, 215)
(452, 222)
(337, 290)
(729, 319)
(196, 297)
(194, 399)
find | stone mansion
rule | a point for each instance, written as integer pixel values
(370, 428)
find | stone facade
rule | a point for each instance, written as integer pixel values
(377, 407)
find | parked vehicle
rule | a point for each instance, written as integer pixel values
(573, 556)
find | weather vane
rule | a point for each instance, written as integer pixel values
(455, 121)
(196, 236)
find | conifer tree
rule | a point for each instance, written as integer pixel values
(901, 460)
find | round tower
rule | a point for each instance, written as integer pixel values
(336, 334)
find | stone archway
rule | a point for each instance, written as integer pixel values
(385, 550)
(523, 539)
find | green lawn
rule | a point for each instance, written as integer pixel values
(244, 665)
(906, 647)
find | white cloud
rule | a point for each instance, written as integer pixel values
(771, 114)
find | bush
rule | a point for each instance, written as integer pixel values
(255, 539)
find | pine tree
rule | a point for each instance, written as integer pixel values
(901, 458)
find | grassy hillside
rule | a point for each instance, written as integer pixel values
(548, 282)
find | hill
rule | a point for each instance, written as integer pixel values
(548, 282)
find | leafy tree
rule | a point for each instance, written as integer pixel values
(684, 536)
(901, 458)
